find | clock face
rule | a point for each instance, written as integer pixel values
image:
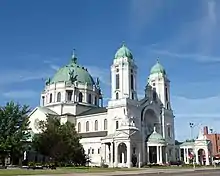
(36, 124)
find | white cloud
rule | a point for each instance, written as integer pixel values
(199, 35)
(212, 10)
(15, 76)
(197, 57)
(197, 107)
(142, 12)
(21, 94)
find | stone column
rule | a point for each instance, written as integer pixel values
(144, 150)
(112, 153)
(197, 156)
(187, 153)
(166, 157)
(139, 156)
(207, 157)
(158, 155)
(148, 153)
(161, 155)
(128, 154)
(116, 154)
(123, 158)
(103, 153)
(105, 158)
(107, 153)
(139, 159)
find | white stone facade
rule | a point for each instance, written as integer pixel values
(116, 134)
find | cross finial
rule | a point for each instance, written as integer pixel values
(155, 129)
(74, 58)
(74, 53)
(123, 43)
(157, 59)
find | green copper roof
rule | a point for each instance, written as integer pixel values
(73, 72)
(158, 68)
(123, 52)
(156, 137)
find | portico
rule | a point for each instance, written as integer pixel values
(156, 148)
(197, 151)
(116, 153)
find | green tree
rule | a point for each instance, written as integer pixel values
(60, 142)
(14, 132)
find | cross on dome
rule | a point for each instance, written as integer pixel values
(154, 130)
(74, 58)
(123, 43)
(158, 60)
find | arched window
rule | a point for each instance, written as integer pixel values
(90, 99)
(80, 97)
(51, 98)
(79, 127)
(154, 94)
(117, 81)
(169, 131)
(116, 124)
(43, 100)
(116, 96)
(132, 95)
(96, 125)
(105, 124)
(87, 126)
(166, 94)
(58, 97)
(96, 101)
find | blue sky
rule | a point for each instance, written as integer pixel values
(36, 37)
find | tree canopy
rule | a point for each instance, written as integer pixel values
(60, 142)
(14, 123)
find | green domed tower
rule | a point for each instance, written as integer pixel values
(159, 85)
(124, 75)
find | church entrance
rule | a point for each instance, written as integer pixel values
(153, 154)
(122, 153)
(201, 157)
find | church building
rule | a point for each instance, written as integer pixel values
(128, 131)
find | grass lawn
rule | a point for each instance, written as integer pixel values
(6, 172)
(68, 170)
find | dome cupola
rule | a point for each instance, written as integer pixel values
(155, 137)
(158, 68)
(73, 72)
(123, 52)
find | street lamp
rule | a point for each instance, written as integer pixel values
(191, 125)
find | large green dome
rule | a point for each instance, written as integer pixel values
(157, 68)
(80, 74)
(123, 52)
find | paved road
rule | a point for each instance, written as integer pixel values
(187, 173)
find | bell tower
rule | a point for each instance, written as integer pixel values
(160, 85)
(124, 75)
